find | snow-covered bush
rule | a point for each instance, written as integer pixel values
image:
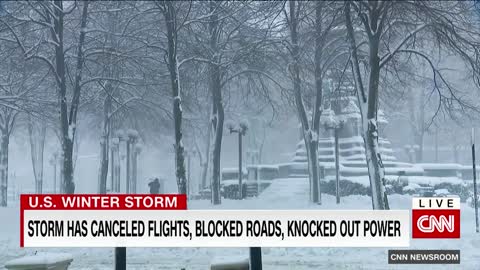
(396, 185)
(410, 188)
(231, 191)
(461, 190)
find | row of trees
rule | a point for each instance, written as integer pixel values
(123, 64)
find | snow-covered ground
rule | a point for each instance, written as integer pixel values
(291, 194)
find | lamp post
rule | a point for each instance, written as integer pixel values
(475, 198)
(332, 122)
(241, 129)
(120, 156)
(136, 151)
(120, 252)
(132, 136)
(113, 163)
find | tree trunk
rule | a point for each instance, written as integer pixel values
(206, 162)
(419, 150)
(217, 125)
(170, 21)
(218, 111)
(310, 138)
(104, 145)
(67, 174)
(313, 170)
(66, 131)
(103, 164)
(374, 161)
(117, 168)
(417, 122)
(376, 170)
(4, 142)
(368, 109)
(68, 120)
(317, 110)
(36, 133)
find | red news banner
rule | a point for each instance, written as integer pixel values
(134, 220)
(60, 202)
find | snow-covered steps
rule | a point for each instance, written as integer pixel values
(285, 189)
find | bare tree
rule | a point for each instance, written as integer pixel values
(169, 12)
(323, 59)
(51, 17)
(391, 29)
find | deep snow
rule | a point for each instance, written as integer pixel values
(274, 258)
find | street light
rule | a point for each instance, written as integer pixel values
(241, 129)
(120, 156)
(114, 164)
(120, 252)
(333, 122)
(132, 136)
(136, 151)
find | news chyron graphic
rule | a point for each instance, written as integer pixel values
(163, 221)
(432, 218)
(436, 217)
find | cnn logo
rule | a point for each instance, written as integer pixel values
(436, 218)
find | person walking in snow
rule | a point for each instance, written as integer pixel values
(154, 186)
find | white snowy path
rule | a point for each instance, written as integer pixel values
(274, 258)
